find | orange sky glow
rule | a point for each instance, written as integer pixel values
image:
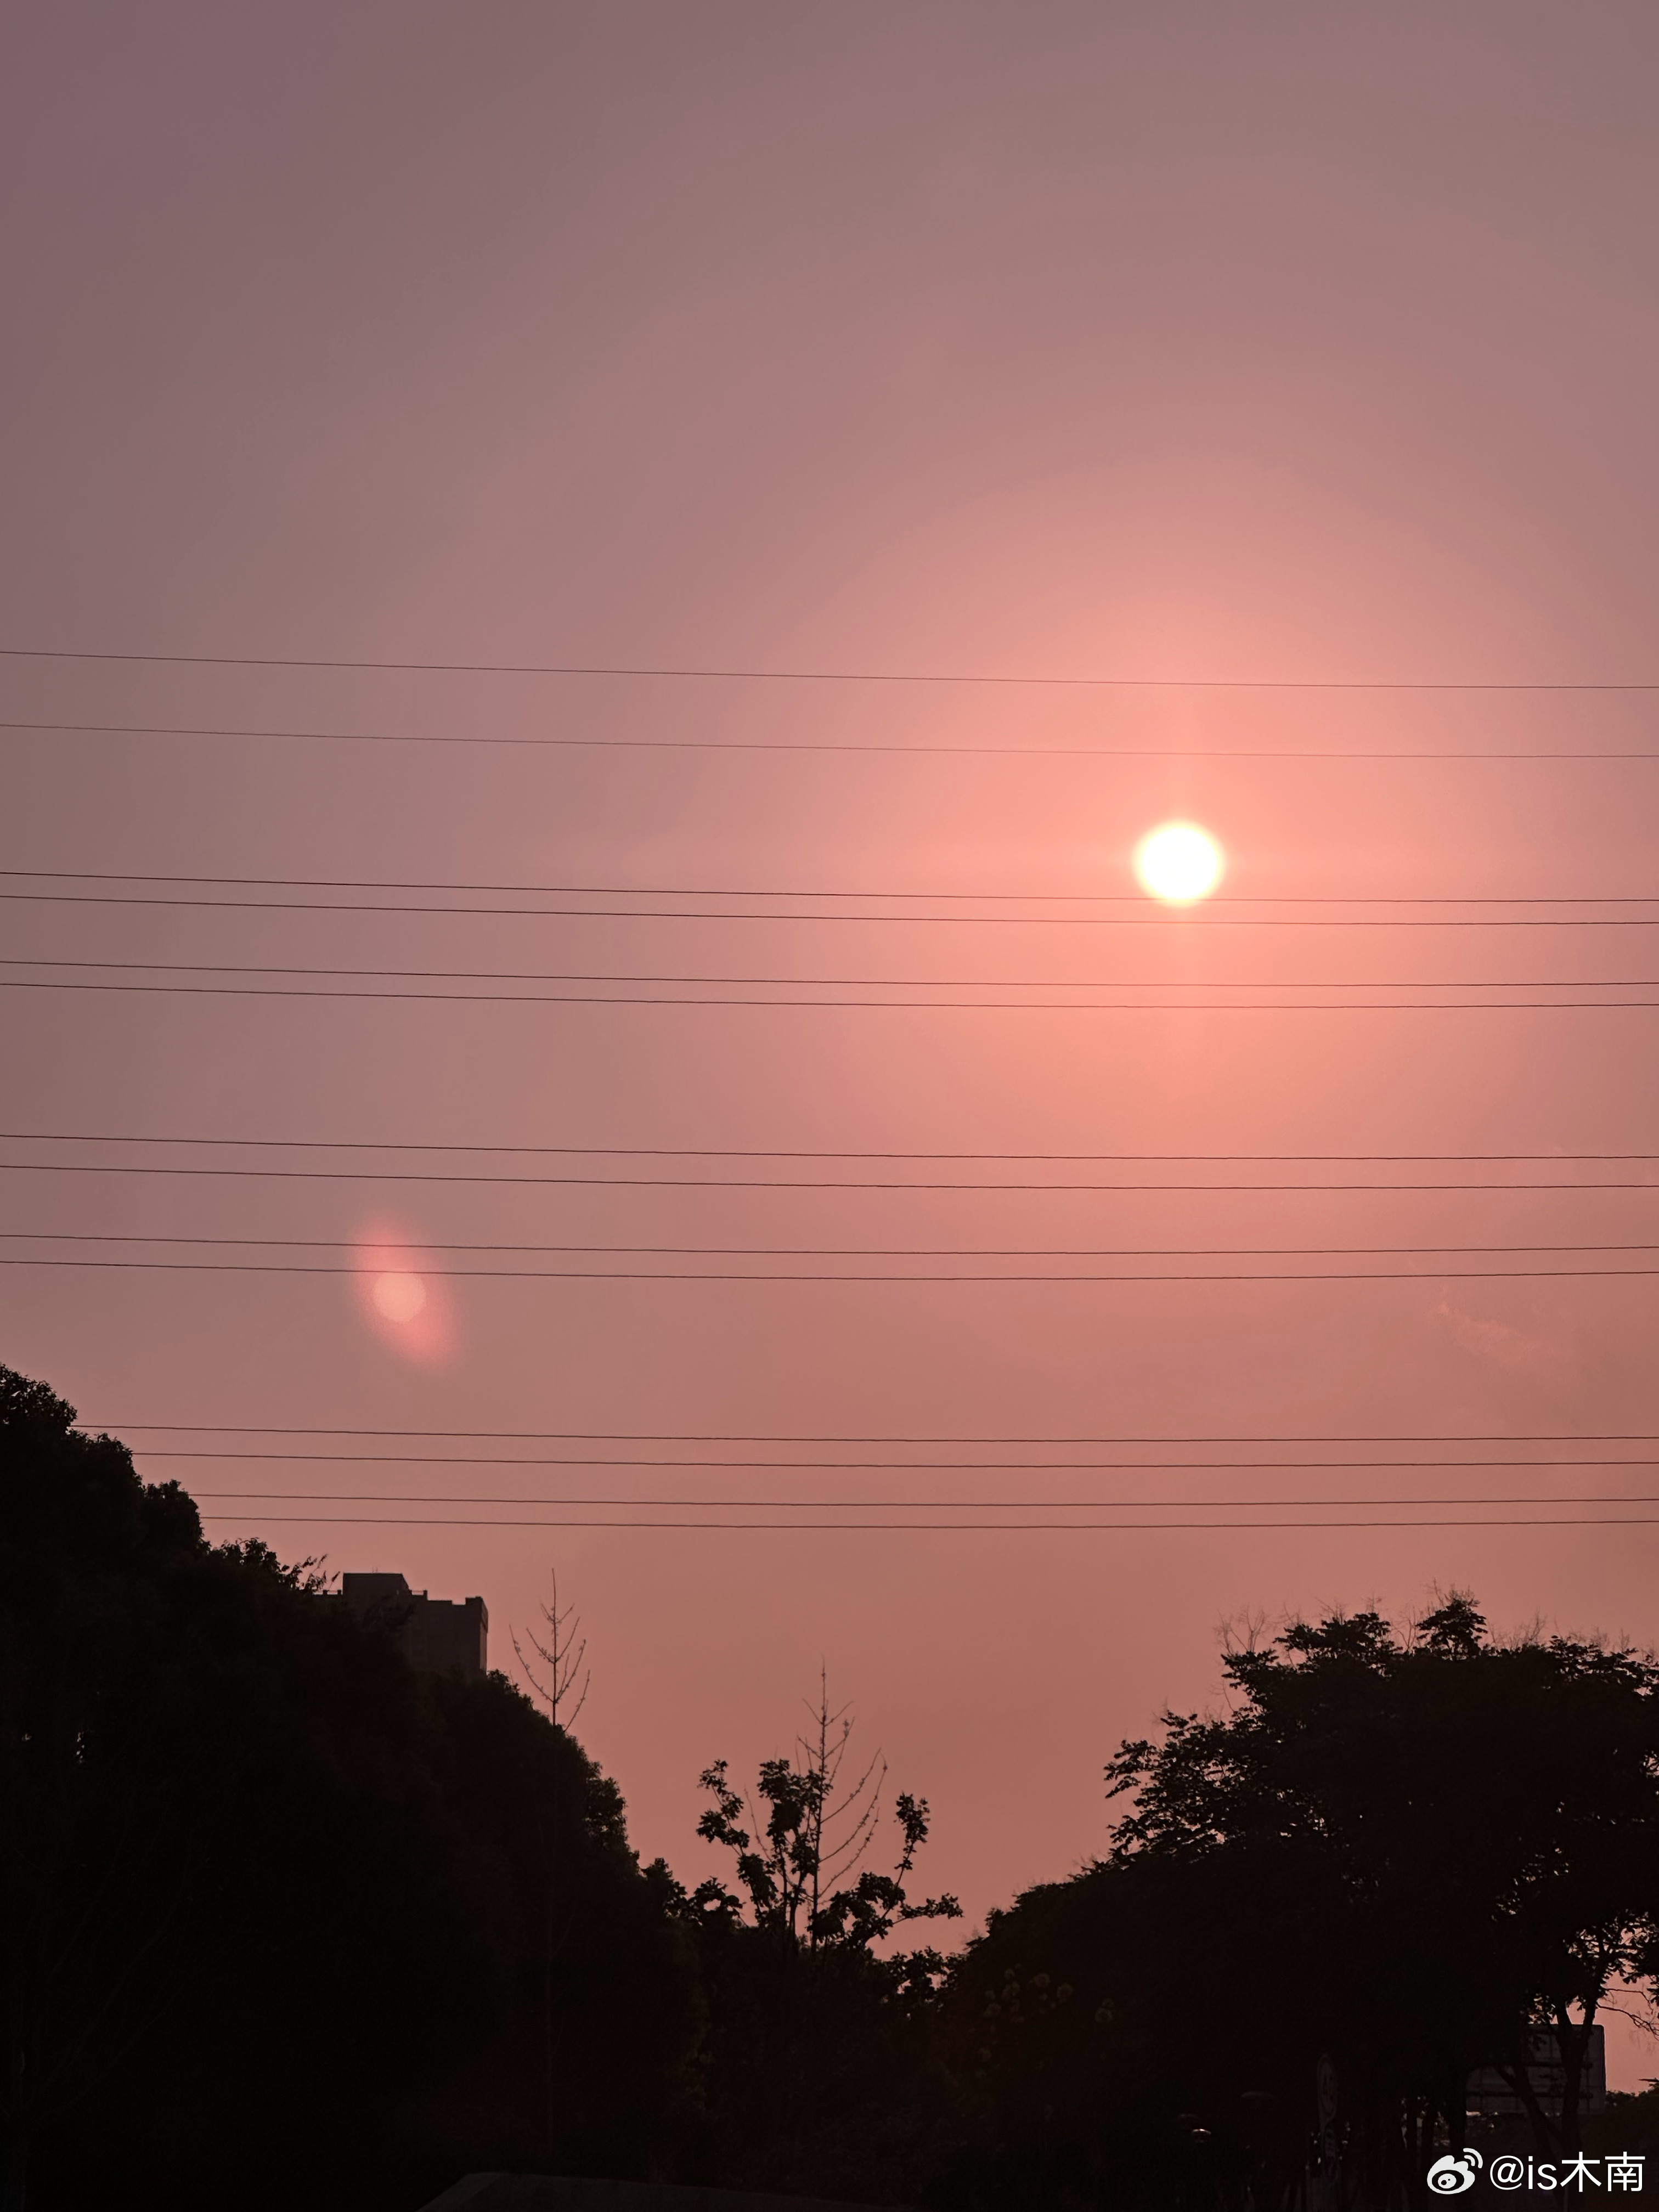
(1284, 361)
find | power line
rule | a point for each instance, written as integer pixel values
(730, 1437)
(1186, 918)
(916, 1504)
(841, 1251)
(822, 745)
(930, 1527)
(631, 1465)
(739, 675)
(472, 1178)
(770, 1152)
(749, 890)
(838, 983)
(864, 1006)
(740, 1182)
(708, 1275)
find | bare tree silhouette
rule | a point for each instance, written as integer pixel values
(562, 1656)
(564, 1676)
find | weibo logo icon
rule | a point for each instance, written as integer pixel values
(1451, 2175)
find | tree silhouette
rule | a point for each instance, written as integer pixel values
(1406, 1852)
(1488, 1814)
(820, 2076)
(815, 1828)
(564, 1676)
(244, 1847)
(561, 1658)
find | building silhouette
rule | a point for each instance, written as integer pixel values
(439, 1634)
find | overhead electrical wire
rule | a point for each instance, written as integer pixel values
(1184, 919)
(357, 995)
(746, 675)
(1559, 1158)
(717, 1275)
(756, 1182)
(916, 1504)
(749, 890)
(820, 1436)
(837, 983)
(841, 1251)
(815, 745)
(928, 1527)
(633, 1464)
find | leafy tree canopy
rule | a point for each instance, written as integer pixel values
(252, 1867)
(1408, 1849)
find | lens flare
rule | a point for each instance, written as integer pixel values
(1179, 863)
(399, 1295)
(402, 1294)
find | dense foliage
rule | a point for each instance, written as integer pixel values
(283, 1920)
(275, 1905)
(1405, 1853)
(823, 2076)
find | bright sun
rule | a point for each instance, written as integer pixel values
(1179, 863)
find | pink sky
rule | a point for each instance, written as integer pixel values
(1160, 340)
